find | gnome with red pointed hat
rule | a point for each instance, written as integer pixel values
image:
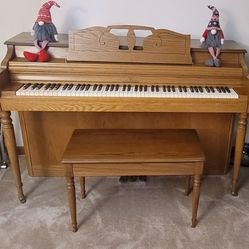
(213, 38)
(44, 31)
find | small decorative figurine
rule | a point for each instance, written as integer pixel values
(44, 31)
(213, 38)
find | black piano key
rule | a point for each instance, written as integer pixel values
(87, 87)
(34, 86)
(77, 87)
(52, 86)
(124, 88)
(145, 88)
(223, 89)
(136, 88)
(196, 89)
(57, 86)
(70, 86)
(40, 86)
(82, 87)
(185, 89)
(129, 88)
(200, 89)
(95, 86)
(169, 89)
(212, 89)
(65, 87)
(152, 88)
(218, 89)
(141, 88)
(227, 89)
(47, 86)
(191, 89)
(164, 89)
(116, 87)
(112, 87)
(180, 89)
(173, 88)
(26, 86)
(107, 87)
(100, 87)
(157, 88)
(207, 89)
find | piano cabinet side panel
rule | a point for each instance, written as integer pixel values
(46, 134)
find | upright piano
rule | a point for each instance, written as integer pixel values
(98, 79)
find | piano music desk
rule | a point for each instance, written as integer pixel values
(114, 152)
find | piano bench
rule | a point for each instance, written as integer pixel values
(145, 152)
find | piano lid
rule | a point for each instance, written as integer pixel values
(25, 39)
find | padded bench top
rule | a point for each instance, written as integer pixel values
(133, 146)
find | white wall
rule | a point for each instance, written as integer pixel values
(189, 17)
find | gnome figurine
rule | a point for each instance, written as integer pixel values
(44, 31)
(213, 38)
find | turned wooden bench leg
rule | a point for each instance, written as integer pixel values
(195, 198)
(72, 201)
(82, 187)
(188, 185)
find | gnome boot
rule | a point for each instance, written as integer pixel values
(43, 56)
(30, 56)
(217, 62)
(209, 63)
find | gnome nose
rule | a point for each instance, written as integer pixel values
(213, 31)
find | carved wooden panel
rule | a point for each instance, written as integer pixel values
(101, 44)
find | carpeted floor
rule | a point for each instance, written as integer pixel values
(151, 215)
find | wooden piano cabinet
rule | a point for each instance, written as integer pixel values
(48, 123)
(46, 134)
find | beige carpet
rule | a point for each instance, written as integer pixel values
(152, 215)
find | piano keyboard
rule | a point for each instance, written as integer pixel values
(126, 90)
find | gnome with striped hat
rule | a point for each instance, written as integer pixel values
(213, 38)
(44, 31)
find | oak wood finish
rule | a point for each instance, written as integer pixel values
(71, 196)
(58, 70)
(100, 44)
(46, 134)
(4, 78)
(131, 146)
(9, 135)
(133, 152)
(47, 123)
(82, 187)
(72, 201)
(239, 147)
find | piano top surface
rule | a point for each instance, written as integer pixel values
(25, 39)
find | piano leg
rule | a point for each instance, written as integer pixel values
(10, 142)
(240, 138)
(72, 201)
